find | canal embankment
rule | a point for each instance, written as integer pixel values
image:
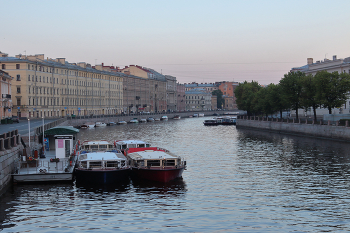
(301, 127)
(11, 150)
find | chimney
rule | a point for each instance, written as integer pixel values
(310, 61)
(334, 57)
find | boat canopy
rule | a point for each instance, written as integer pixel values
(62, 130)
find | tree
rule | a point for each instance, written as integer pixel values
(308, 94)
(275, 98)
(332, 89)
(220, 101)
(291, 87)
(246, 96)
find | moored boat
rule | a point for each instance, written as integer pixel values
(150, 119)
(142, 120)
(201, 114)
(155, 164)
(133, 121)
(102, 167)
(228, 121)
(214, 121)
(100, 124)
(122, 122)
(123, 145)
(96, 145)
(177, 117)
(87, 125)
(164, 118)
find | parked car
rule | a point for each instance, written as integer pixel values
(15, 119)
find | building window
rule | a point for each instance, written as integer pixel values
(3, 66)
(18, 77)
(18, 66)
(28, 77)
(18, 89)
(18, 101)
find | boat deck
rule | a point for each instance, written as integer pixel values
(44, 170)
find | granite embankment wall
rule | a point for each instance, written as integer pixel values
(11, 150)
(307, 128)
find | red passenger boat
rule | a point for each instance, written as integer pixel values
(155, 164)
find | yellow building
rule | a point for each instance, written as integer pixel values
(55, 88)
(6, 102)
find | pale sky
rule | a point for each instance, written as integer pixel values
(195, 41)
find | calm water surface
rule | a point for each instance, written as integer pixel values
(236, 181)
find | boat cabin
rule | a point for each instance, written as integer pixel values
(153, 158)
(102, 145)
(126, 144)
(102, 160)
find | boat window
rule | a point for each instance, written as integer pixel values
(140, 163)
(83, 156)
(124, 146)
(170, 162)
(103, 146)
(95, 164)
(112, 164)
(148, 145)
(153, 163)
(132, 146)
(94, 147)
(140, 145)
(83, 164)
(87, 147)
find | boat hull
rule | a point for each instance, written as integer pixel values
(114, 176)
(158, 175)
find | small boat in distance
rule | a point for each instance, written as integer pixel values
(150, 119)
(143, 120)
(122, 122)
(87, 125)
(111, 123)
(133, 121)
(164, 118)
(201, 114)
(156, 119)
(155, 164)
(177, 117)
(100, 124)
(214, 121)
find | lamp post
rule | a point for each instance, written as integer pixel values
(43, 139)
(29, 130)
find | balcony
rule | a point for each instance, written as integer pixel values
(6, 96)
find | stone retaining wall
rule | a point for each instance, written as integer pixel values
(8, 158)
(314, 130)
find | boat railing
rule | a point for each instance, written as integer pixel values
(44, 166)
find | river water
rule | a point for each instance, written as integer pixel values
(236, 181)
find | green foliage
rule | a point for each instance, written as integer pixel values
(220, 101)
(247, 96)
(291, 87)
(308, 94)
(332, 89)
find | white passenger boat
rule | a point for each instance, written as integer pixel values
(88, 125)
(133, 121)
(164, 118)
(177, 117)
(122, 122)
(143, 120)
(100, 124)
(102, 167)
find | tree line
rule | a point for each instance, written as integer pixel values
(295, 90)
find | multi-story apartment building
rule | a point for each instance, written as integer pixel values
(171, 93)
(5, 88)
(54, 88)
(339, 65)
(228, 88)
(144, 90)
(209, 87)
(180, 97)
(198, 100)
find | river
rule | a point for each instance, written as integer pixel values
(236, 181)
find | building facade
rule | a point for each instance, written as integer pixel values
(338, 65)
(180, 97)
(145, 90)
(198, 100)
(54, 88)
(6, 101)
(171, 93)
(228, 90)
